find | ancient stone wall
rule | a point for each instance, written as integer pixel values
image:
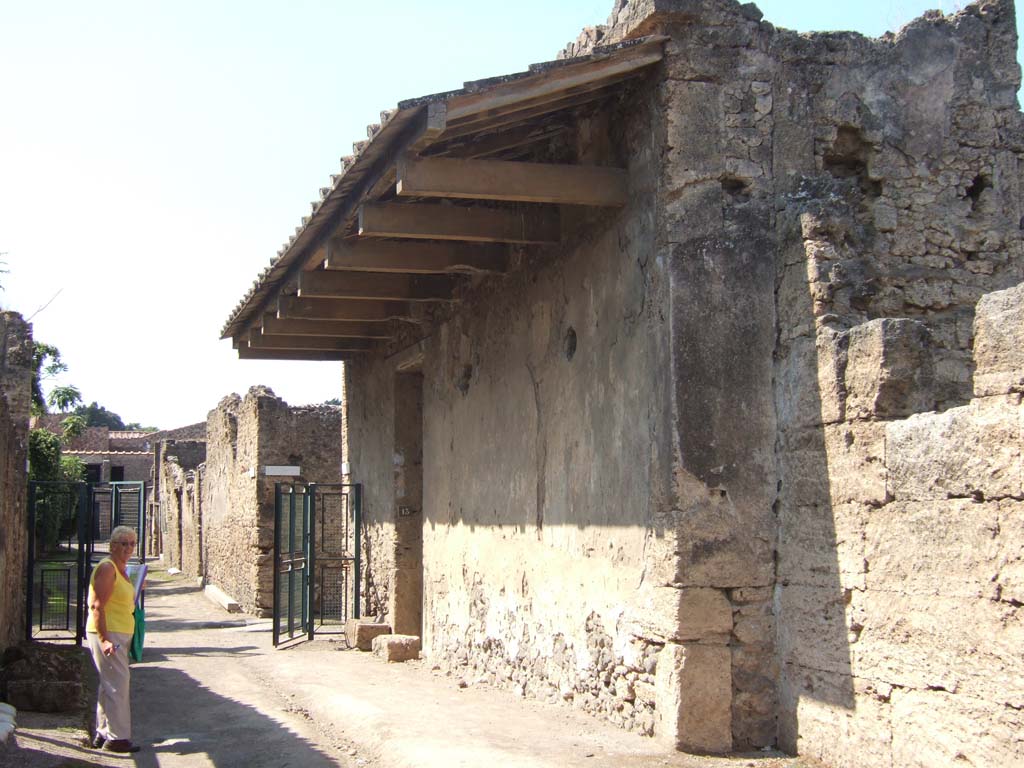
(180, 495)
(244, 435)
(778, 341)
(545, 462)
(898, 200)
(15, 396)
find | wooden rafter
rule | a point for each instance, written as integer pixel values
(555, 83)
(522, 182)
(330, 328)
(275, 341)
(370, 285)
(413, 257)
(248, 353)
(342, 309)
(456, 222)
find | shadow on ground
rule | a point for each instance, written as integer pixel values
(181, 717)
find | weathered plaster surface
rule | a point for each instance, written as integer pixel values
(773, 494)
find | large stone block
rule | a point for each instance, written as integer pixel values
(814, 627)
(974, 450)
(809, 381)
(888, 370)
(671, 614)
(999, 342)
(359, 633)
(1010, 582)
(694, 129)
(967, 645)
(819, 718)
(718, 546)
(946, 548)
(836, 464)
(932, 728)
(694, 691)
(396, 647)
(823, 545)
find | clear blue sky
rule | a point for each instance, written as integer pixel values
(155, 155)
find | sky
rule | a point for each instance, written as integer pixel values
(154, 156)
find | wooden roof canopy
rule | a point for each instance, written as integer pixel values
(380, 241)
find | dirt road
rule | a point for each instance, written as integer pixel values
(212, 692)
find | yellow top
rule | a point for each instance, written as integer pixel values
(119, 607)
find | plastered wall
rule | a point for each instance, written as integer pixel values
(770, 433)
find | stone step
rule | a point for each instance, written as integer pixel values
(360, 633)
(396, 647)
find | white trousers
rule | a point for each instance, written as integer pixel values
(113, 711)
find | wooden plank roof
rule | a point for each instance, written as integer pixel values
(484, 117)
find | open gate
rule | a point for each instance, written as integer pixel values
(68, 533)
(316, 558)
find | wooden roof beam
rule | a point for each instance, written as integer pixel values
(413, 257)
(258, 340)
(248, 353)
(336, 329)
(293, 307)
(523, 182)
(456, 222)
(366, 285)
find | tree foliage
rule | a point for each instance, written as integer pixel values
(71, 427)
(96, 415)
(65, 398)
(46, 364)
(43, 455)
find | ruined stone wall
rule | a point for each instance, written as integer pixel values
(15, 396)
(832, 208)
(237, 517)
(230, 501)
(896, 179)
(180, 499)
(192, 542)
(545, 460)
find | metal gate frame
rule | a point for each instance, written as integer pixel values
(88, 532)
(83, 558)
(295, 554)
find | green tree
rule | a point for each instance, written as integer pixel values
(46, 364)
(65, 398)
(96, 415)
(134, 426)
(72, 427)
(55, 506)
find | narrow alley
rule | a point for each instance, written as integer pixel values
(211, 691)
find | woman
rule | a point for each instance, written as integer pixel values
(109, 630)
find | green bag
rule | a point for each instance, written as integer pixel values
(138, 639)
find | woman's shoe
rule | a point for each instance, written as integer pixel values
(98, 741)
(123, 746)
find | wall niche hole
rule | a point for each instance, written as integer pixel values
(980, 183)
(462, 383)
(736, 188)
(570, 343)
(848, 156)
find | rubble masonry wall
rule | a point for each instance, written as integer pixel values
(180, 482)
(815, 220)
(243, 436)
(16, 348)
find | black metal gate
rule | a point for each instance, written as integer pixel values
(68, 533)
(316, 558)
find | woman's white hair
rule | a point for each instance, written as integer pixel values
(120, 531)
